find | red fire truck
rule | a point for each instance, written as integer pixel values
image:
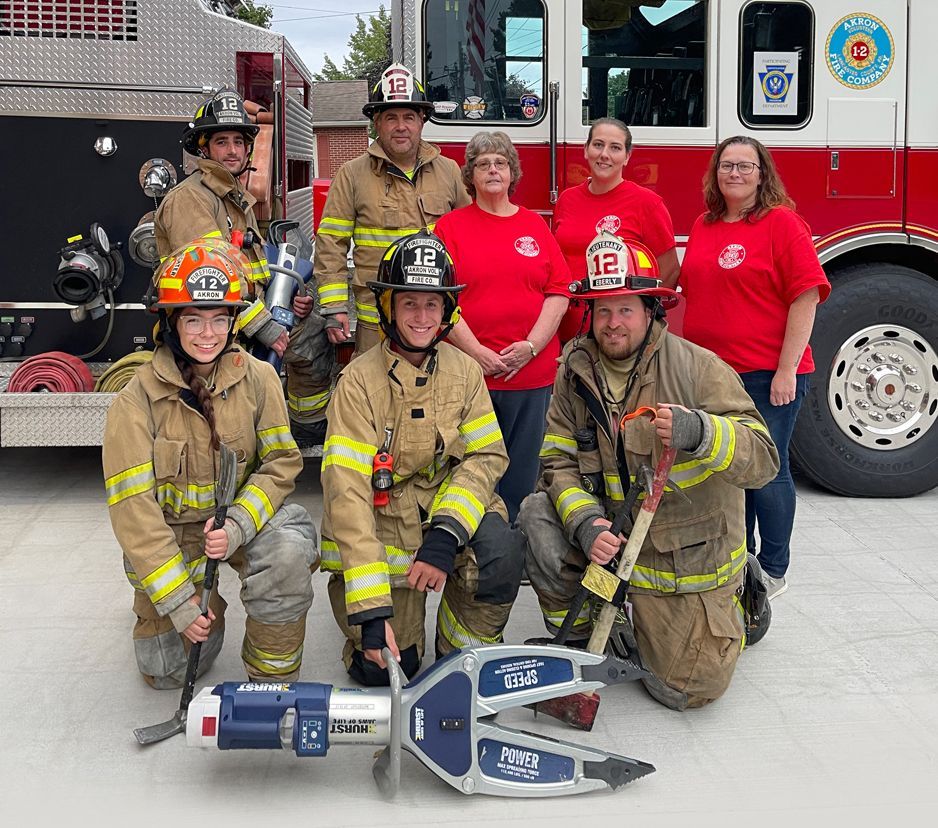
(841, 92)
(94, 96)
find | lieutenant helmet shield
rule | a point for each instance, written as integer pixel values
(615, 267)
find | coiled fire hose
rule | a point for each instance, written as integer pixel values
(53, 371)
(122, 371)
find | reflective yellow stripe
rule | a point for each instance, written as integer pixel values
(455, 633)
(481, 432)
(196, 569)
(331, 561)
(464, 503)
(271, 664)
(724, 444)
(381, 236)
(614, 490)
(336, 227)
(129, 482)
(277, 438)
(663, 581)
(333, 292)
(255, 501)
(212, 234)
(367, 581)
(314, 402)
(399, 560)
(572, 499)
(169, 283)
(742, 620)
(194, 497)
(555, 444)
(341, 451)
(748, 422)
(367, 313)
(166, 578)
(555, 618)
(250, 313)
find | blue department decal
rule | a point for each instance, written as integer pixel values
(860, 50)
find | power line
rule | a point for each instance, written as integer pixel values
(322, 16)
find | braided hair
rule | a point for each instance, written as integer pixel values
(202, 396)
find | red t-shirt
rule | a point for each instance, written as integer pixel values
(630, 211)
(739, 279)
(509, 264)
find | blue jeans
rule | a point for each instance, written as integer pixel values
(773, 506)
(521, 416)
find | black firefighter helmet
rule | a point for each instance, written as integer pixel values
(223, 112)
(419, 262)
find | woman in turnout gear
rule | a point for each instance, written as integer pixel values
(412, 455)
(160, 465)
(686, 586)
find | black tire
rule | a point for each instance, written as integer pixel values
(901, 306)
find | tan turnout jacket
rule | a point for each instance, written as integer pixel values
(448, 455)
(160, 470)
(372, 203)
(692, 547)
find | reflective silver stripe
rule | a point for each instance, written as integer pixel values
(195, 497)
(314, 402)
(129, 482)
(481, 432)
(277, 438)
(351, 454)
(555, 444)
(614, 490)
(331, 560)
(724, 444)
(196, 569)
(367, 581)
(399, 560)
(455, 633)
(572, 499)
(464, 503)
(273, 664)
(647, 577)
(255, 501)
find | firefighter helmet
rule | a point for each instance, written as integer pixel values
(621, 268)
(397, 88)
(204, 273)
(419, 262)
(223, 112)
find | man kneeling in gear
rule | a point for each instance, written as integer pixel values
(412, 455)
(685, 588)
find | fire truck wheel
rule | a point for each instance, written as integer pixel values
(869, 424)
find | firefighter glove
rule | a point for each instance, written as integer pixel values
(439, 548)
(686, 429)
(373, 637)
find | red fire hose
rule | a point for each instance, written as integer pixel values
(53, 371)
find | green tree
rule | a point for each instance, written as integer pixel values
(258, 15)
(369, 51)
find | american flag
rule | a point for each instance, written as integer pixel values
(475, 30)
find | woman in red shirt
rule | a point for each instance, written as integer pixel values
(752, 281)
(606, 201)
(515, 296)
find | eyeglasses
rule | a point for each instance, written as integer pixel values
(744, 167)
(499, 164)
(194, 325)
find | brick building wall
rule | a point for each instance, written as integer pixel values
(336, 145)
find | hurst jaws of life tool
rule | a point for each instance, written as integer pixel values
(445, 718)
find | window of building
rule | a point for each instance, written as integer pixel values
(776, 70)
(645, 62)
(484, 59)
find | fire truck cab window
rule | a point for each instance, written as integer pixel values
(644, 62)
(485, 59)
(776, 71)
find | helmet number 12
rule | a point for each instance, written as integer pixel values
(606, 264)
(425, 257)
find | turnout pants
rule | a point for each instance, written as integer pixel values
(310, 363)
(276, 590)
(689, 641)
(473, 609)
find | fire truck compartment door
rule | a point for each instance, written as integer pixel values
(857, 132)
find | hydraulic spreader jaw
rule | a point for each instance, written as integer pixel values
(445, 718)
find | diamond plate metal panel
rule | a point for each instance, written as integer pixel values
(53, 419)
(410, 39)
(180, 46)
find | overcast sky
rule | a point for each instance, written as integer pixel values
(319, 27)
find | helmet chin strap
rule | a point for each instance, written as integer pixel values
(391, 332)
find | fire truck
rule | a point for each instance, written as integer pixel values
(94, 97)
(842, 92)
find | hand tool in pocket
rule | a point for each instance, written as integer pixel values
(225, 489)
